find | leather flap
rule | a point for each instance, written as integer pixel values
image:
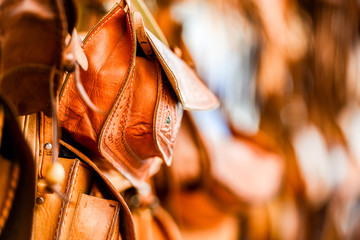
(191, 91)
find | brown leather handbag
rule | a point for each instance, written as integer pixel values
(32, 41)
(141, 86)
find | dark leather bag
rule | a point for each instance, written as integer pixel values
(17, 177)
(141, 86)
(32, 41)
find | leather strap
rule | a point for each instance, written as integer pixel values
(149, 20)
(142, 37)
(46, 145)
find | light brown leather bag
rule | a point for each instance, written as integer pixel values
(92, 208)
(141, 86)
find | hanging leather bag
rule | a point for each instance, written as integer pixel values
(140, 85)
(32, 43)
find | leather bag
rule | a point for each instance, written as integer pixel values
(141, 86)
(32, 41)
(94, 208)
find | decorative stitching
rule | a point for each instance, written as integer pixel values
(69, 190)
(96, 30)
(119, 99)
(158, 103)
(166, 66)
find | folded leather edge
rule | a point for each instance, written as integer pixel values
(207, 102)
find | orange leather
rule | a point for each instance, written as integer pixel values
(126, 227)
(83, 216)
(155, 224)
(50, 220)
(191, 91)
(95, 218)
(55, 218)
(27, 28)
(243, 170)
(45, 138)
(190, 154)
(139, 97)
(199, 217)
(184, 194)
(235, 171)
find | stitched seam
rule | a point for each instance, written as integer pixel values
(97, 29)
(85, 44)
(113, 221)
(108, 127)
(127, 150)
(74, 180)
(117, 100)
(158, 104)
(70, 184)
(76, 213)
(105, 131)
(167, 67)
(129, 78)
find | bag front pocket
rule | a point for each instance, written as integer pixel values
(95, 218)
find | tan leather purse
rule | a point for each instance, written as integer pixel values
(140, 85)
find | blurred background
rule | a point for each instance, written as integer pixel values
(279, 159)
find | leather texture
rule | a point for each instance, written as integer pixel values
(55, 218)
(17, 181)
(27, 28)
(106, 190)
(192, 92)
(50, 221)
(151, 224)
(45, 140)
(83, 216)
(139, 93)
(104, 226)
